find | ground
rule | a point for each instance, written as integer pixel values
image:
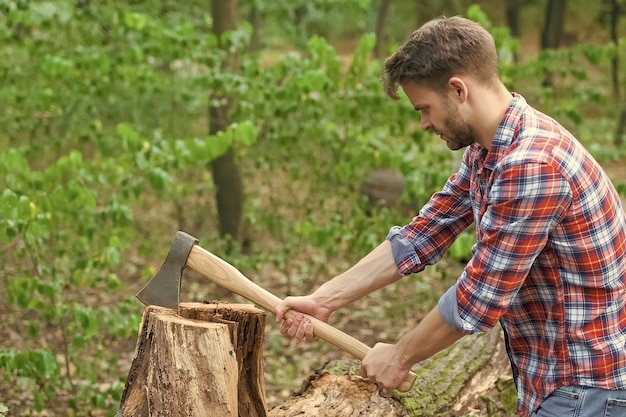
(366, 320)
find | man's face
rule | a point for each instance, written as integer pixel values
(441, 115)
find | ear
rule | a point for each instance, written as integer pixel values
(458, 89)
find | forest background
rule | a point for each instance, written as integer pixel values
(259, 127)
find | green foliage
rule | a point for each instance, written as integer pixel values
(76, 164)
(295, 21)
(104, 149)
(461, 249)
(38, 365)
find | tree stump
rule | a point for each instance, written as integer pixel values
(247, 326)
(448, 384)
(199, 363)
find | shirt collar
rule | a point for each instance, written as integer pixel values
(504, 135)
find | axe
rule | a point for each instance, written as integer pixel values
(164, 290)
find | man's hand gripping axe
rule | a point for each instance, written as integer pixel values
(164, 290)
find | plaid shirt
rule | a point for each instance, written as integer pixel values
(550, 259)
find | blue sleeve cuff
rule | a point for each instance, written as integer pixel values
(402, 249)
(448, 308)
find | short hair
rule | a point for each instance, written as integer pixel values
(440, 49)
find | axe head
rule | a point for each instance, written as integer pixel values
(164, 288)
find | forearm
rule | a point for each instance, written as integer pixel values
(430, 336)
(376, 270)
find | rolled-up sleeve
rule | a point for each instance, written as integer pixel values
(404, 252)
(449, 309)
(426, 239)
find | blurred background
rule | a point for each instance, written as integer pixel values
(261, 128)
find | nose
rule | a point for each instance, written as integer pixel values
(425, 123)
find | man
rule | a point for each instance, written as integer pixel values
(550, 259)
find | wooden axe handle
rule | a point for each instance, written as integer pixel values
(227, 276)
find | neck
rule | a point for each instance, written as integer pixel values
(489, 112)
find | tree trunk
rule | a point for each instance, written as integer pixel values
(229, 194)
(205, 361)
(513, 19)
(620, 131)
(181, 368)
(256, 20)
(552, 30)
(381, 22)
(448, 384)
(553, 25)
(226, 174)
(614, 23)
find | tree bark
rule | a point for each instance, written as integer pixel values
(553, 25)
(247, 326)
(513, 19)
(181, 368)
(552, 30)
(448, 384)
(226, 173)
(381, 21)
(621, 127)
(205, 360)
(256, 20)
(614, 24)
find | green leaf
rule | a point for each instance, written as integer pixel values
(136, 21)
(19, 292)
(217, 145)
(132, 141)
(475, 13)
(39, 400)
(9, 201)
(88, 320)
(56, 66)
(113, 282)
(158, 178)
(245, 132)
(33, 329)
(313, 80)
(13, 161)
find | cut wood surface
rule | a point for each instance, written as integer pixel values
(448, 384)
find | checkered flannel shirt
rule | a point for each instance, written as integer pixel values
(549, 263)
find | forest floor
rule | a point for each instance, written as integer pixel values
(289, 363)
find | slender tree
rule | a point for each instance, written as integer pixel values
(615, 11)
(513, 18)
(552, 30)
(381, 21)
(226, 172)
(621, 127)
(613, 17)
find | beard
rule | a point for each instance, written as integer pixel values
(458, 132)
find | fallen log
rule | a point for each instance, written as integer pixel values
(448, 384)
